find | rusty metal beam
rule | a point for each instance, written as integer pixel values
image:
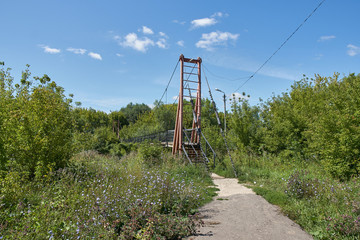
(178, 133)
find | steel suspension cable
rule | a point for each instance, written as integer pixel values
(165, 92)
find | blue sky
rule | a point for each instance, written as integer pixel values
(110, 53)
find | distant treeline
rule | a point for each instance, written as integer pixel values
(317, 120)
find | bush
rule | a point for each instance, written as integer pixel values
(300, 185)
(35, 123)
(103, 197)
(150, 152)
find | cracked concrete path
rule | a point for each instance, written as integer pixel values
(241, 214)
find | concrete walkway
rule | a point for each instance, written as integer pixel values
(241, 214)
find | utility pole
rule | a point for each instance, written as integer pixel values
(224, 97)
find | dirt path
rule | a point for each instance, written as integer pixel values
(244, 215)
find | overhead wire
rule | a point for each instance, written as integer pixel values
(277, 50)
(225, 78)
(219, 124)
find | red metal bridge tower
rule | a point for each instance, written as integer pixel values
(190, 89)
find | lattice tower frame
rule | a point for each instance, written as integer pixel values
(196, 108)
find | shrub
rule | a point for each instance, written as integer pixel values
(301, 185)
(35, 122)
(150, 152)
(103, 197)
(347, 225)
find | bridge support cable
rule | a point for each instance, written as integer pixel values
(219, 124)
(167, 86)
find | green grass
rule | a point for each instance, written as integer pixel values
(273, 197)
(222, 199)
(105, 197)
(325, 207)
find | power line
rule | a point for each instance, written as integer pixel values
(281, 45)
(225, 78)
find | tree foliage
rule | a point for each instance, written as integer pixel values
(35, 122)
(133, 111)
(317, 120)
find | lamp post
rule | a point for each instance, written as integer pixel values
(224, 96)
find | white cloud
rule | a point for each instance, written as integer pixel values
(163, 34)
(203, 22)
(180, 43)
(95, 55)
(120, 55)
(326, 38)
(208, 21)
(50, 50)
(77, 50)
(132, 41)
(179, 22)
(217, 14)
(161, 43)
(147, 30)
(209, 40)
(353, 50)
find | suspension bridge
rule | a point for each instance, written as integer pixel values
(188, 141)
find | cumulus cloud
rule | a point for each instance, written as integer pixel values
(161, 43)
(50, 50)
(209, 40)
(203, 22)
(142, 43)
(219, 14)
(208, 21)
(95, 55)
(147, 30)
(162, 34)
(131, 40)
(120, 55)
(353, 50)
(80, 51)
(180, 43)
(326, 38)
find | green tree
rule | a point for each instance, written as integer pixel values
(88, 119)
(118, 120)
(133, 111)
(35, 122)
(245, 125)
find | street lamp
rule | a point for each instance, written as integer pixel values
(224, 108)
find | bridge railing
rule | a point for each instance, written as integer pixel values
(165, 137)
